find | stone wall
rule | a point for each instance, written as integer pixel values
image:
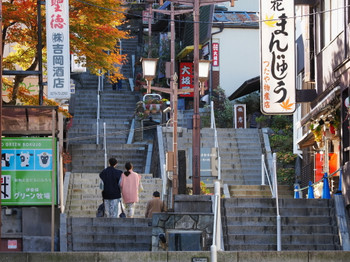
(205, 256)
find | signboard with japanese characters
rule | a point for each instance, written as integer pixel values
(58, 57)
(277, 34)
(186, 78)
(146, 16)
(27, 165)
(215, 48)
(209, 161)
(240, 115)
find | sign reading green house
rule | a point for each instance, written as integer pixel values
(27, 165)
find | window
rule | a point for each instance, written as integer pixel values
(331, 15)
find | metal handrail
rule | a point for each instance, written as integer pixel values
(264, 172)
(319, 181)
(99, 89)
(279, 245)
(216, 142)
(105, 142)
(216, 224)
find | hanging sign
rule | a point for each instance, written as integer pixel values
(186, 78)
(215, 48)
(277, 38)
(58, 58)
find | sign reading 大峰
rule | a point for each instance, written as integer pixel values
(277, 36)
(27, 165)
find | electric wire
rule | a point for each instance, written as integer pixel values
(121, 132)
(215, 23)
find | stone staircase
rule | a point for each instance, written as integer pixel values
(85, 231)
(91, 157)
(108, 234)
(240, 151)
(255, 191)
(84, 194)
(249, 224)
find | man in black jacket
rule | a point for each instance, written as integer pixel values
(111, 190)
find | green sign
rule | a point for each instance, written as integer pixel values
(27, 165)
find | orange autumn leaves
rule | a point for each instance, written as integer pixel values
(94, 36)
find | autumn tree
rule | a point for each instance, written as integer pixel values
(94, 33)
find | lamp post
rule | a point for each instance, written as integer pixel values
(149, 66)
(196, 117)
(149, 71)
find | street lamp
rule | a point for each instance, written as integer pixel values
(149, 66)
(203, 73)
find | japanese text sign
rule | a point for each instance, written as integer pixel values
(240, 115)
(186, 78)
(277, 35)
(27, 166)
(58, 57)
(215, 48)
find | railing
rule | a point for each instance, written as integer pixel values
(216, 143)
(217, 223)
(267, 162)
(266, 173)
(216, 207)
(278, 218)
(105, 142)
(326, 189)
(99, 89)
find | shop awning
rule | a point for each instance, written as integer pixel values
(307, 140)
(187, 50)
(246, 88)
(321, 106)
(28, 120)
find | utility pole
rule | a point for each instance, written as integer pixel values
(173, 91)
(196, 117)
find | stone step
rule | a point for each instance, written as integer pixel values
(85, 196)
(110, 234)
(271, 220)
(271, 239)
(290, 230)
(267, 247)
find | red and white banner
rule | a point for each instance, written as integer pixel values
(186, 78)
(58, 57)
(277, 38)
(215, 49)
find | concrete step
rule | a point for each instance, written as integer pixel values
(110, 234)
(84, 195)
(251, 222)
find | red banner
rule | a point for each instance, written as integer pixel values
(215, 48)
(186, 78)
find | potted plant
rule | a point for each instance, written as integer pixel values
(140, 82)
(317, 131)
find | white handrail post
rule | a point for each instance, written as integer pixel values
(105, 142)
(212, 119)
(279, 244)
(98, 112)
(217, 223)
(219, 167)
(262, 170)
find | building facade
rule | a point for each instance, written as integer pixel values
(321, 124)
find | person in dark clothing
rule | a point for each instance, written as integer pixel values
(111, 191)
